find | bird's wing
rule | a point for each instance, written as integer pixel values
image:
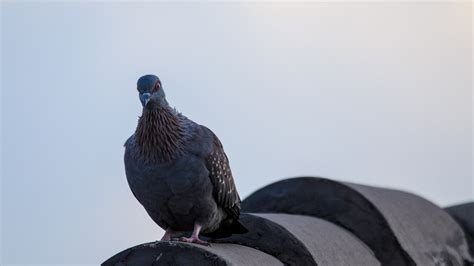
(225, 193)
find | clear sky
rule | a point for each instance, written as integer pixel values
(379, 94)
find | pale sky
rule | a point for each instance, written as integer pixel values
(377, 94)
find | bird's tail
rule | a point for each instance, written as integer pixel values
(238, 228)
(227, 229)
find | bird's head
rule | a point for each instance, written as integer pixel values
(151, 93)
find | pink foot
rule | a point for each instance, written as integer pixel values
(194, 239)
(167, 235)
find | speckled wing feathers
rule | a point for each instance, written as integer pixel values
(225, 192)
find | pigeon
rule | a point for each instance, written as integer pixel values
(178, 170)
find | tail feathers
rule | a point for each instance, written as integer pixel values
(228, 228)
(238, 228)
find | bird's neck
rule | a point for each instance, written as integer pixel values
(160, 134)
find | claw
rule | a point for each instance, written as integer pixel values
(167, 235)
(193, 239)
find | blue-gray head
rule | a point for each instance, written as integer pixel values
(151, 92)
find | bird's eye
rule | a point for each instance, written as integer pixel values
(157, 86)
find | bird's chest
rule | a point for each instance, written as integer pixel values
(180, 180)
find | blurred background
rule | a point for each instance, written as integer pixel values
(371, 93)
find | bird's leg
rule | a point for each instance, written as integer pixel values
(167, 235)
(195, 236)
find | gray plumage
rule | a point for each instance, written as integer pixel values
(177, 169)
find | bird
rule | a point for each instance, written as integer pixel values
(178, 171)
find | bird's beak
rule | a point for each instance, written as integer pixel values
(146, 97)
